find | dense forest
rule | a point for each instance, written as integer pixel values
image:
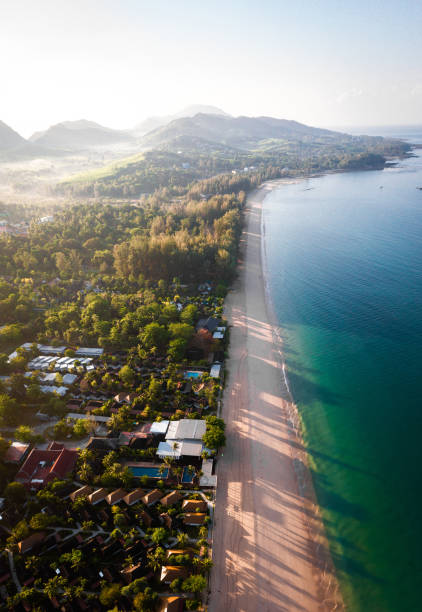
(118, 251)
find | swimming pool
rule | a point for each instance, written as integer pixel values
(151, 472)
(187, 475)
(193, 374)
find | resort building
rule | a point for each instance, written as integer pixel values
(43, 466)
(183, 439)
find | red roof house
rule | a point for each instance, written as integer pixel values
(43, 466)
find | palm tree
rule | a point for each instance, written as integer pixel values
(54, 586)
(178, 471)
(206, 564)
(85, 472)
(182, 539)
(156, 558)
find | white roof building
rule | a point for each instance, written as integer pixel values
(183, 439)
(208, 479)
(159, 427)
(49, 377)
(186, 429)
(69, 379)
(75, 416)
(50, 389)
(215, 370)
(51, 350)
(89, 352)
(179, 448)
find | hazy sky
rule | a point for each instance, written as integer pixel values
(323, 62)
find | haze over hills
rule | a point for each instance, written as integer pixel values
(152, 123)
(14, 147)
(235, 132)
(76, 135)
(202, 146)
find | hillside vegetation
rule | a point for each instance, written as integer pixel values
(198, 148)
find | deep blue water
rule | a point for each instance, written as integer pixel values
(345, 271)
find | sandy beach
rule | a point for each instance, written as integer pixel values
(269, 551)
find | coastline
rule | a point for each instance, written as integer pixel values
(270, 551)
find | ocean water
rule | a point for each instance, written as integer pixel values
(344, 256)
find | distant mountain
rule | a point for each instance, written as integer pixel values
(79, 135)
(9, 139)
(244, 133)
(153, 123)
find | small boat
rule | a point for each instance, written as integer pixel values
(381, 186)
(420, 188)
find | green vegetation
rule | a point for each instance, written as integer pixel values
(144, 279)
(194, 149)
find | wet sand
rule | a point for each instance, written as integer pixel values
(269, 546)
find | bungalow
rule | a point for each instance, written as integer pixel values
(171, 572)
(152, 497)
(173, 603)
(81, 492)
(97, 496)
(120, 398)
(179, 551)
(167, 520)
(210, 324)
(171, 498)
(16, 453)
(116, 496)
(133, 572)
(134, 496)
(43, 466)
(31, 542)
(194, 518)
(194, 505)
(146, 518)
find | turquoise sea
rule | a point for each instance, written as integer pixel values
(344, 257)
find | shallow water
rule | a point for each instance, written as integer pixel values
(345, 272)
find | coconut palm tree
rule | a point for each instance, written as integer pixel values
(182, 539)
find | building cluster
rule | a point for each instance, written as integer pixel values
(132, 498)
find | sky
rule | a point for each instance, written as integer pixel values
(321, 62)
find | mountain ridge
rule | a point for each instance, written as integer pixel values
(152, 123)
(9, 138)
(80, 134)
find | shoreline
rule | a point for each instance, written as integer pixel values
(331, 587)
(270, 551)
